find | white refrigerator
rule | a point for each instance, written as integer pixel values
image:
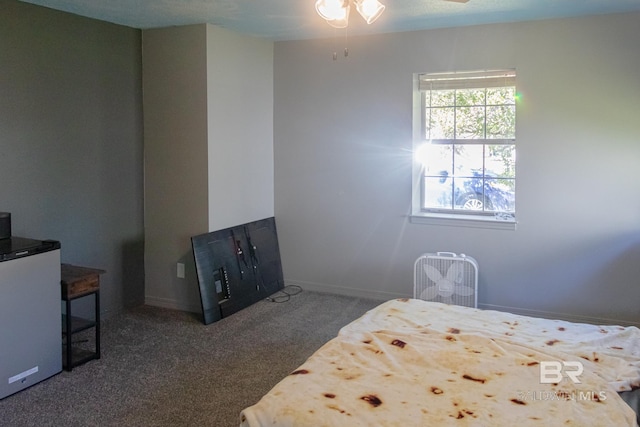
(30, 313)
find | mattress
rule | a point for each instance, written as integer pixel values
(412, 362)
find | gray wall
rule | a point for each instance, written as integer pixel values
(71, 141)
(208, 107)
(176, 195)
(343, 141)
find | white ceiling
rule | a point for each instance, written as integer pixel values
(297, 19)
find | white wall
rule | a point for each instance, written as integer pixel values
(240, 115)
(208, 117)
(343, 139)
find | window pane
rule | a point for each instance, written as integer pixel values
(440, 123)
(469, 122)
(501, 95)
(469, 97)
(501, 122)
(468, 160)
(488, 195)
(500, 161)
(437, 193)
(442, 98)
(468, 193)
(500, 195)
(438, 160)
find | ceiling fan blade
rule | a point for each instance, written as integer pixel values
(432, 273)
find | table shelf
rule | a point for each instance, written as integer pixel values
(79, 282)
(78, 324)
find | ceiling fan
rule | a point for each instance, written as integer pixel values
(336, 12)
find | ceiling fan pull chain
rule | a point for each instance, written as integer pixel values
(346, 42)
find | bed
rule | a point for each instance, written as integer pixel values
(412, 362)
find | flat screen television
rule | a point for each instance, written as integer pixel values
(237, 267)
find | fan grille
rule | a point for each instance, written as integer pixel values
(446, 277)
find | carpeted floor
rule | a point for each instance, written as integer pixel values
(162, 367)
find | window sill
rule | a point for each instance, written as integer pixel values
(452, 220)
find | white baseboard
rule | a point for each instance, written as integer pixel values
(341, 290)
(383, 295)
(559, 316)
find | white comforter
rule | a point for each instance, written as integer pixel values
(417, 363)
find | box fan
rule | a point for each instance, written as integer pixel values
(446, 277)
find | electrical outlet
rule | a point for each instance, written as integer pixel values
(180, 270)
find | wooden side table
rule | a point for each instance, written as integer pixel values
(79, 282)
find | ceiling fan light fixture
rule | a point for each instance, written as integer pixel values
(342, 19)
(340, 23)
(336, 12)
(370, 10)
(333, 10)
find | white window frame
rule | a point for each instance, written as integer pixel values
(418, 214)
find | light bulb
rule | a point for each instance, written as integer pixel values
(332, 10)
(370, 10)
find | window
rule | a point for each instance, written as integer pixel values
(465, 157)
